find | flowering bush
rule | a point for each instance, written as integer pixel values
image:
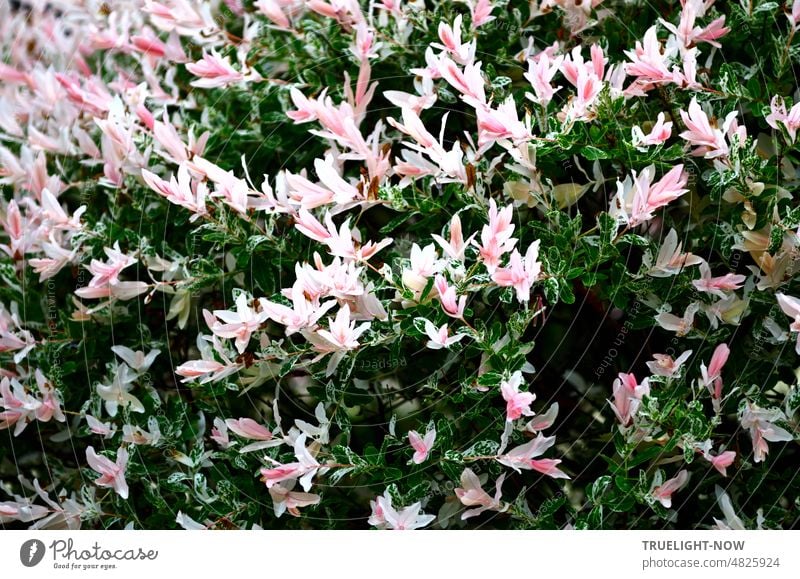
(399, 264)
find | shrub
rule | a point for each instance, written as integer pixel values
(399, 264)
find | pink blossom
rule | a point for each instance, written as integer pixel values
(216, 72)
(167, 136)
(346, 12)
(50, 406)
(304, 469)
(219, 434)
(306, 108)
(54, 260)
(183, 17)
(112, 474)
(496, 238)
(149, 44)
(471, 494)
(239, 324)
(280, 11)
(421, 446)
(20, 407)
(393, 6)
(574, 62)
(628, 394)
(310, 226)
(778, 114)
(433, 64)
(716, 29)
(341, 337)
(21, 510)
(133, 434)
(10, 74)
(385, 516)
(710, 141)
(732, 521)
(791, 307)
(524, 457)
(107, 273)
(450, 36)
(343, 333)
(688, 34)
(91, 97)
(720, 461)
(712, 376)
(182, 191)
(728, 311)
(761, 424)
(440, 337)
(365, 46)
(638, 197)
(588, 88)
(794, 15)
(55, 213)
(123, 290)
(649, 64)
(447, 166)
(13, 338)
(303, 314)
(481, 12)
(452, 305)
(413, 126)
(340, 279)
(456, 247)
(416, 103)
(517, 403)
(118, 392)
(248, 428)
(424, 263)
(344, 242)
(521, 273)
(541, 72)
(664, 365)
(285, 499)
(137, 361)
(13, 225)
(231, 190)
(718, 286)
(659, 134)
(544, 421)
(207, 370)
(469, 82)
(576, 12)
(154, 48)
(501, 124)
(102, 428)
(587, 78)
(680, 325)
(663, 492)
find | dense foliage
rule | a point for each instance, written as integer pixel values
(401, 264)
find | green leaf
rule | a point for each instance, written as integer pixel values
(396, 222)
(482, 448)
(595, 519)
(551, 287)
(490, 379)
(591, 153)
(599, 488)
(566, 294)
(254, 241)
(608, 228)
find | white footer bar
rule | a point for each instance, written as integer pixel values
(371, 554)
